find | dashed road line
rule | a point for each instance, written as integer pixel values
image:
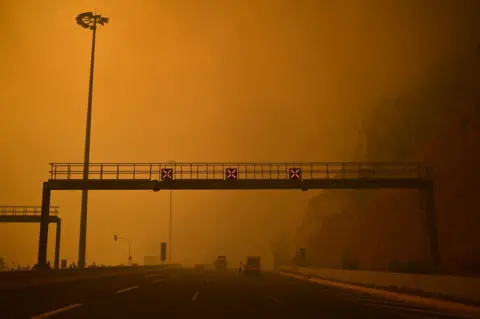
(126, 289)
(158, 280)
(195, 295)
(57, 311)
(390, 302)
(275, 299)
(355, 294)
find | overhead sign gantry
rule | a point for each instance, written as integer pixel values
(241, 176)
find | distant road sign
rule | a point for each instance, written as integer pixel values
(231, 173)
(163, 251)
(295, 173)
(167, 173)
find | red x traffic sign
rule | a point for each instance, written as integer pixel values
(167, 173)
(295, 173)
(231, 173)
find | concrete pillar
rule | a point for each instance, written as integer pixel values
(57, 244)
(44, 219)
(432, 231)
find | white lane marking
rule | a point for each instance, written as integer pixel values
(353, 294)
(389, 302)
(275, 299)
(54, 312)
(195, 295)
(126, 289)
(375, 301)
(158, 280)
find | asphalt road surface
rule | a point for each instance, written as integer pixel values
(188, 293)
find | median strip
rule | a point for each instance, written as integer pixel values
(57, 311)
(31, 278)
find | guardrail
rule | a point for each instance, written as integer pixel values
(26, 210)
(256, 171)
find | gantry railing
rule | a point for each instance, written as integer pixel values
(26, 210)
(249, 171)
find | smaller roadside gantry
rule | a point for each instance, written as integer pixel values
(32, 214)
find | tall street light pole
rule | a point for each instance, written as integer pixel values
(87, 20)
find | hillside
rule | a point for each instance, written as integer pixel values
(438, 123)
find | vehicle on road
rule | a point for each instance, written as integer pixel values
(252, 265)
(221, 263)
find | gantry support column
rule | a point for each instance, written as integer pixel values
(432, 231)
(57, 244)
(44, 219)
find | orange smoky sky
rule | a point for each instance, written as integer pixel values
(213, 80)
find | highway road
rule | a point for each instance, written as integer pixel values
(188, 293)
